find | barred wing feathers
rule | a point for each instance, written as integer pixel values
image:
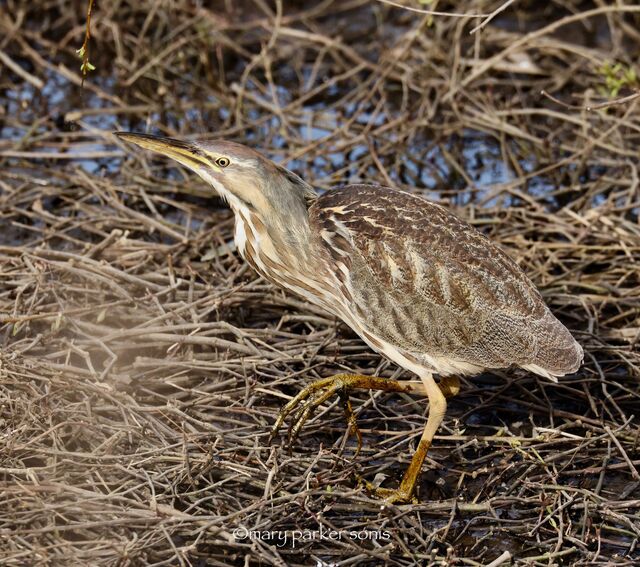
(418, 278)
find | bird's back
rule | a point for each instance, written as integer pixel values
(421, 281)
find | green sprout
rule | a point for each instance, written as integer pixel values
(83, 52)
(428, 5)
(86, 65)
(617, 76)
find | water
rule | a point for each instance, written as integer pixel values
(41, 118)
(460, 167)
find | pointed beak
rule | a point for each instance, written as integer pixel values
(186, 153)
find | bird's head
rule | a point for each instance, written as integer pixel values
(246, 179)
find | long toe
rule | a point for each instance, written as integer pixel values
(352, 423)
(292, 405)
(389, 495)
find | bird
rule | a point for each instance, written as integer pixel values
(419, 285)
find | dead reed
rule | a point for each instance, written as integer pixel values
(142, 362)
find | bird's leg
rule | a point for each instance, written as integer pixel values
(437, 409)
(321, 390)
(351, 418)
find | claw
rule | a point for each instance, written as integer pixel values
(305, 411)
(394, 496)
(300, 418)
(389, 495)
(305, 403)
(308, 400)
(351, 418)
(289, 407)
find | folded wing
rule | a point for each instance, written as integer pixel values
(431, 285)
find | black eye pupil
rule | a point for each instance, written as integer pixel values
(222, 162)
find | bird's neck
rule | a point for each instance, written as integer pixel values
(282, 251)
(281, 239)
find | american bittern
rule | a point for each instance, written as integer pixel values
(419, 285)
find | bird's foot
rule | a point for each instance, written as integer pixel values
(404, 493)
(449, 386)
(305, 403)
(398, 495)
(352, 423)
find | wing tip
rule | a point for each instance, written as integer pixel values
(540, 371)
(569, 365)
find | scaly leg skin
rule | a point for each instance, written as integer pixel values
(351, 418)
(437, 409)
(321, 390)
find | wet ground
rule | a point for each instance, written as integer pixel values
(132, 435)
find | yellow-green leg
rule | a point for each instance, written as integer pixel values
(437, 409)
(321, 390)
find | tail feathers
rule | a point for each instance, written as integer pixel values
(558, 352)
(542, 372)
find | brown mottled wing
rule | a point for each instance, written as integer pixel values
(426, 282)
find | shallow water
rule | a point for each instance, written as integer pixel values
(41, 118)
(423, 165)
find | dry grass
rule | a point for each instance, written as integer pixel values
(143, 362)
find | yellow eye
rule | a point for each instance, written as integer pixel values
(222, 161)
